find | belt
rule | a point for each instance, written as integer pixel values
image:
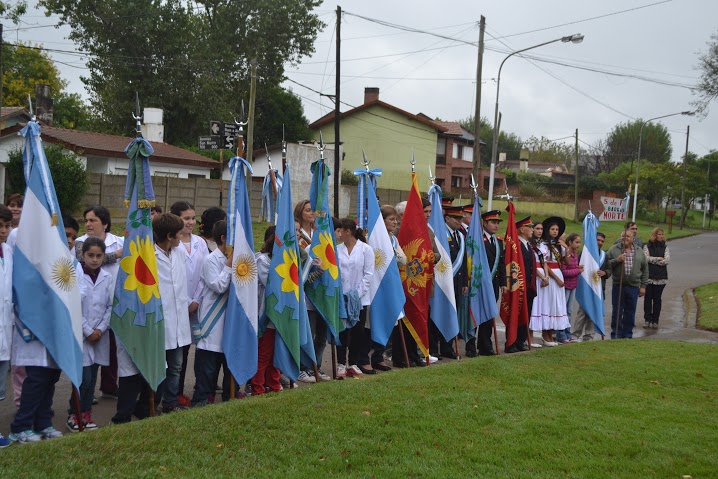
(553, 264)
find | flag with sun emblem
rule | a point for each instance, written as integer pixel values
(325, 292)
(285, 305)
(239, 339)
(44, 278)
(385, 291)
(416, 276)
(443, 302)
(137, 316)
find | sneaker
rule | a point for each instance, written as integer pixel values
(183, 400)
(94, 401)
(89, 423)
(341, 371)
(4, 441)
(50, 433)
(72, 423)
(173, 408)
(323, 376)
(550, 344)
(284, 380)
(306, 378)
(25, 437)
(535, 346)
(353, 371)
(433, 359)
(112, 395)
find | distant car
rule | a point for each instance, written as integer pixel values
(676, 205)
(505, 197)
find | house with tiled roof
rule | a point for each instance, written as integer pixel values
(103, 153)
(387, 134)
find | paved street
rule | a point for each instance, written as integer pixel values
(693, 263)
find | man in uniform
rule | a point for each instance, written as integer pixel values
(457, 250)
(495, 255)
(525, 229)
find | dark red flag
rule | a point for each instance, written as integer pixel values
(514, 306)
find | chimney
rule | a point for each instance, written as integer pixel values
(152, 127)
(43, 104)
(371, 94)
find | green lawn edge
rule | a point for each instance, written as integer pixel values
(707, 301)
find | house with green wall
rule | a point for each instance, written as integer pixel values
(387, 134)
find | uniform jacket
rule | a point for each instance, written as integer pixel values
(173, 292)
(499, 279)
(7, 316)
(216, 276)
(461, 278)
(96, 310)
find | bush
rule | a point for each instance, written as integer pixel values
(533, 190)
(348, 178)
(69, 176)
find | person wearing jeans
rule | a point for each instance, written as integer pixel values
(629, 270)
(658, 257)
(571, 270)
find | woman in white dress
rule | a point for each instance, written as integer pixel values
(540, 317)
(553, 229)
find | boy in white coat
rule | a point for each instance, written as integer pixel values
(6, 312)
(216, 274)
(175, 303)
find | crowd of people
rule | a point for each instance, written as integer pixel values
(195, 270)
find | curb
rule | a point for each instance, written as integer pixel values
(692, 308)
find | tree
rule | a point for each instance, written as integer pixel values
(24, 67)
(622, 143)
(543, 150)
(69, 176)
(70, 111)
(13, 10)
(276, 110)
(709, 166)
(189, 58)
(707, 89)
(509, 143)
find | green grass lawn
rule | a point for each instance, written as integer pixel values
(604, 409)
(707, 297)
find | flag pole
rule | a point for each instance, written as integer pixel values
(618, 308)
(152, 403)
(403, 342)
(334, 358)
(78, 409)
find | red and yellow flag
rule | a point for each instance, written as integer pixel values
(417, 275)
(514, 305)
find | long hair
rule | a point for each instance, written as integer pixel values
(654, 235)
(268, 244)
(350, 224)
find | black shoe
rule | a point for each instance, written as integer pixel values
(512, 349)
(470, 353)
(398, 364)
(418, 363)
(523, 347)
(367, 371)
(381, 367)
(490, 352)
(449, 355)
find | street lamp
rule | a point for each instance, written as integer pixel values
(638, 161)
(576, 38)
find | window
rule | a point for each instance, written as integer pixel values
(456, 182)
(440, 159)
(166, 174)
(459, 152)
(440, 182)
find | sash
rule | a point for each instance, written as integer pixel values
(495, 267)
(209, 321)
(455, 265)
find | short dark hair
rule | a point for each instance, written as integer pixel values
(5, 213)
(209, 217)
(268, 245)
(629, 224)
(165, 225)
(156, 209)
(598, 233)
(70, 222)
(425, 203)
(92, 241)
(179, 206)
(218, 230)
(102, 213)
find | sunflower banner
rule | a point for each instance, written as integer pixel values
(137, 317)
(325, 291)
(284, 301)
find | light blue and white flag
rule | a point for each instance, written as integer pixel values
(589, 292)
(268, 209)
(44, 282)
(443, 303)
(239, 341)
(366, 176)
(385, 290)
(482, 303)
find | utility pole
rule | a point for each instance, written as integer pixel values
(683, 181)
(477, 111)
(2, 47)
(250, 118)
(337, 114)
(575, 182)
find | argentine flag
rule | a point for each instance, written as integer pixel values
(45, 287)
(589, 292)
(239, 339)
(385, 291)
(443, 303)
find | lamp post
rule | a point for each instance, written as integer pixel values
(638, 160)
(576, 38)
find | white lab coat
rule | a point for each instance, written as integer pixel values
(96, 311)
(194, 259)
(216, 276)
(357, 269)
(172, 276)
(125, 366)
(112, 244)
(7, 316)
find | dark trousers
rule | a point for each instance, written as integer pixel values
(108, 374)
(38, 389)
(131, 388)
(206, 368)
(319, 335)
(87, 389)
(377, 350)
(625, 319)
(438, 346)
(398, 348)
(358, 344)
(652, 302)
(183, 370)
(484, 339)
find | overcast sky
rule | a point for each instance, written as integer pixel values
(422, 73)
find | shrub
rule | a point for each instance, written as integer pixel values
(348, 178)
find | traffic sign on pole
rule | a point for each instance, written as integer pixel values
(230, 129)
(215, 128)
(209, 142)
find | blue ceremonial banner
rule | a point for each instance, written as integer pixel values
(137, 315)
(589, 292)
(239, 338)
(44, 279)
(385, 290)
(285, 304)
(443, 301)
(482, 302)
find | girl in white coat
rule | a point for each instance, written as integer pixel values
(6, 311)
(97, 292)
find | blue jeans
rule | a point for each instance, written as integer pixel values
(4, 366)
(87, 389)
(625, 319)
(206, 368)
(565, 334)
(169, 388)
(38, 389)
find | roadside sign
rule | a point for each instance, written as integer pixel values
(230, 129)
(209, 142)
(614, 209)
(228, 142)
(215, 128)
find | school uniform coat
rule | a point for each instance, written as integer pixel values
(111, 263)
(173, 292)
(216, 276)
(96, 311)
(194, 259)
(7, 316)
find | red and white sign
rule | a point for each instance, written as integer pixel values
(614, 209)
